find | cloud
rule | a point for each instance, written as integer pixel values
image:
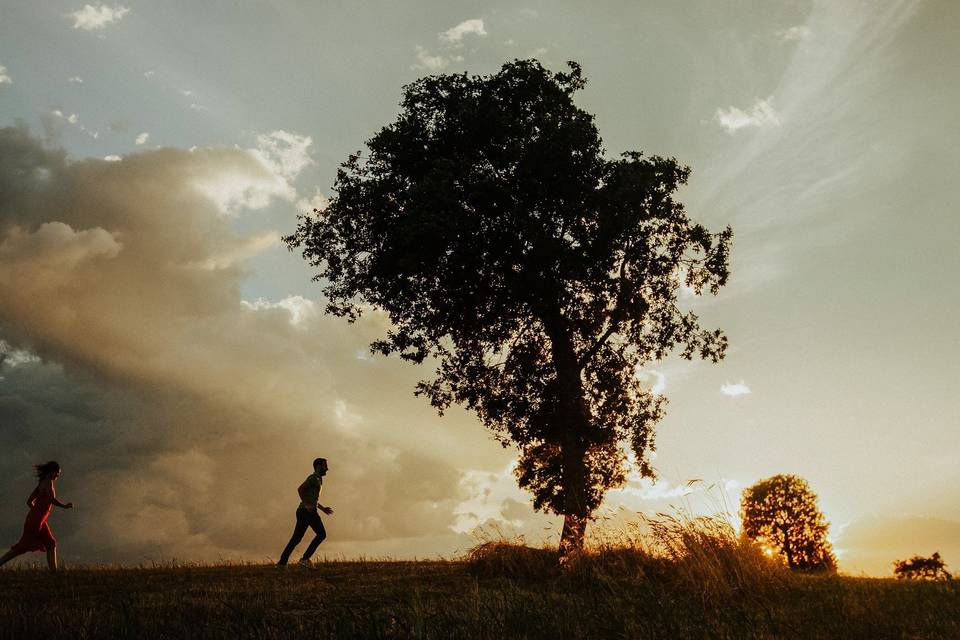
(450, 40)
(799, 32)
(760, 115)
(735, 389)
(5, 76)
(287, 154)
(316, 201)
(259, 174)
(244, 248)
(298, 307)
(76, 79)
(142, 138)
(149, 73)
(94, 18)
(54, 121)
(152, 380)
(112, 158)
(456, 34)
(429, 62)
(656, 379)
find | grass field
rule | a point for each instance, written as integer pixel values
(680, 579)
(447, 600)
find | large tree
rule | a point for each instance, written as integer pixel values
(537, 274)
(781, 514)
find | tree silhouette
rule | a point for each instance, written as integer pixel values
(536, 274)
(781, 514)
(920, 568)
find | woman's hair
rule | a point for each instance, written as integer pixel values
(45, 469)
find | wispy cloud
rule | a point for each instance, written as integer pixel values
(77, 79)
(735, 389)
(427, 61)
(456, 34)
(799, 32)
(142, 138)
(451, 41)
(4, 76)
(761, 115)
(94, 18)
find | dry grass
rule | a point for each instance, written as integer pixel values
(666, 577)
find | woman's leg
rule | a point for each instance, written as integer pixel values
(8, 556)
(52, 558)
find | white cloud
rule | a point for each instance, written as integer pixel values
(467, 27)
(285, 153)
(243, 249)
(299, 308)
(75, 79)
(266, 172)
(72, 118)
(316, 201)
(142, 138)
(656, 379)
(15, 357)
(4, 76)
(761, 115)
(112, 158)
(186, 92)
(735, 389)
(149, 73)
(429, 62)
(799, 32)
(92, 18)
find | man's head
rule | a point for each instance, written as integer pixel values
(320, 466)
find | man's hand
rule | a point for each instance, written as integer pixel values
(326, 510)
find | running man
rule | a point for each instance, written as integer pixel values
(307, 515)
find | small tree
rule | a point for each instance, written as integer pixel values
(538, 274)
(781, 515)
(920, 568)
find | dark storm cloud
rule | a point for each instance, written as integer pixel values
(184, 416)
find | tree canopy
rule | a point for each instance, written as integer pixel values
(536, 273)
(781, 514)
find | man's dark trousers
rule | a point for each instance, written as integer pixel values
(305, 518)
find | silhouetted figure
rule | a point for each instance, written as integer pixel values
(37, 535)
(307, 515)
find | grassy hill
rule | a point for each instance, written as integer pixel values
(447, 600)
(693, 580)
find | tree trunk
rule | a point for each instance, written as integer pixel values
(575, 420)
(575, 511)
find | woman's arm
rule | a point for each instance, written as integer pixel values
(33, 497)
(53, 498)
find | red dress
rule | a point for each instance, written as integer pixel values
(36, 532)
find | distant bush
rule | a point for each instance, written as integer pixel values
(920, 568)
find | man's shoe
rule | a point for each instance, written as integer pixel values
(305, 563)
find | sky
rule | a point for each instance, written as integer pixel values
(163, 345)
